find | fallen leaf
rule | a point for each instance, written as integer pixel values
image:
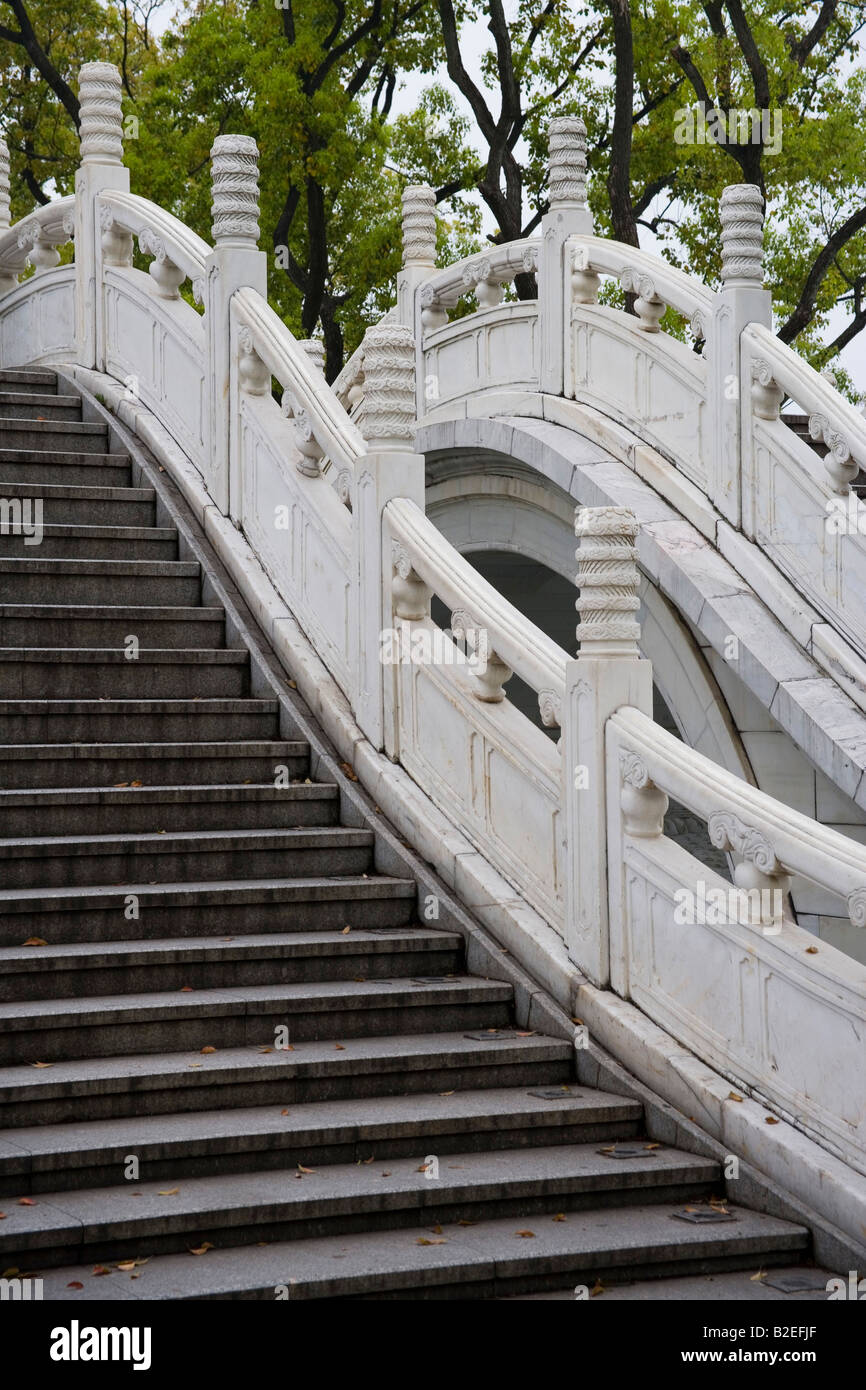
(170, 1192)
(126, 1266)
(2, 1216)
(201, 1249)
(437, 1230)
(75, 1284)
(597, 1288)
(42, 1064)
(121, 784)
(446, 1093)
(186, 989)
(208, 1049)
(293, 685)
(100, 1269)
(349, 772)
(345, 931)
(266, 1049)
(467, 1223)
(527, 1235)
(771, 1120)
(26, 1202)
(526, 1035)
(34, 941)
(386, 1175)
(10, 1273)
(338, 1047)
(284, 1112)
(302, 1169)
(652, 1146)
(732, 1095)
(811, 950)
(422, 1240)
(136, 784)
(756, 1278)
(196, 1064)
(560, 1216)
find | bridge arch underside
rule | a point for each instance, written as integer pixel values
(517, 528)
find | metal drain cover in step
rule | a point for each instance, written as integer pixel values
(703, 1216)
(807, 1282)
(629, 1151)
(431, 979)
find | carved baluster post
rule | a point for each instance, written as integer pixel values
(608, 672)
(234, 263)
(741, 300)
(101, 170)
(7, 282)
(419, 263)
(388, 469)
(568, 216)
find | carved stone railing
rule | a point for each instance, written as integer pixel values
(448, 719)
(724, 968)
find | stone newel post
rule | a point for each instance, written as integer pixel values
(419, 263)
(234, 262)
(101, 170)
(389, 468)
(608, 672)
(741, 300)
(568, 215)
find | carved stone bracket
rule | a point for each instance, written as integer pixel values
(840, 466)
(584, 280)
(116, 241)
(643, 803)
(649, 306)
(433, 313)
(255, 378)
(728, 832)
(550, 709)
(857, 907)
(410, 594)
(766, 393)
(168, 276)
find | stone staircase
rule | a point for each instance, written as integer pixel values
(228, 1048)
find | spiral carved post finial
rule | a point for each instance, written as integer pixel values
(608, 581)
(101, 118)
(566, 139)
(419, 225)
(742, 213)
(235, 190)
(386, 414)
(4, 184)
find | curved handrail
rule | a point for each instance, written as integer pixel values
(518, 642)
(340, 439)
(496, 266)
(832, 419)
(51, 224)
(802, 845)
(647, 275)
(169, 237)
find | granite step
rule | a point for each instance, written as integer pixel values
(372, 1066)
(189, 910)
(51, 1030)
(210, 1142)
